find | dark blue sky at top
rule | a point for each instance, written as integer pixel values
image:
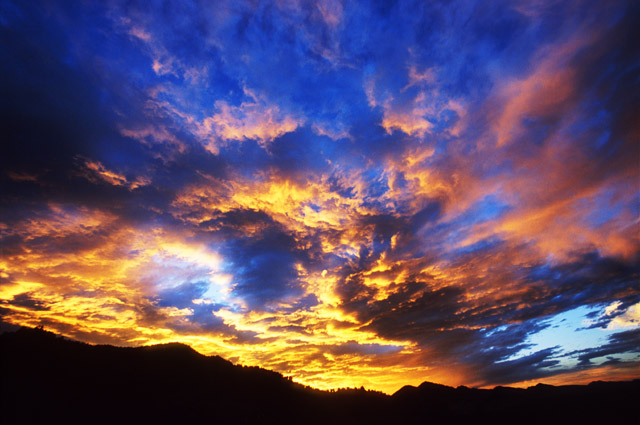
(457, 173)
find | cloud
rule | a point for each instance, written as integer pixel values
(323, 188)
(254, 119)
(26, 301)
(629, 318)
(325, 129)
(533, 366)
(150, 134)
(163, 63)
(618, 344)
(542, 95)
(97, 171)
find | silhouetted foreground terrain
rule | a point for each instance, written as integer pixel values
(45, 378)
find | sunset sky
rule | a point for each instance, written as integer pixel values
(349, 193)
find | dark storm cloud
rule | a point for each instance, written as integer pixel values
(533, 366)
(416, 319)
(591, 279)
(26, 301)
(626, 342)
(53, 113)
(62, 109)
(441, 320)
(265, 267)
(606, 71)
(494, 354)
(235, 223)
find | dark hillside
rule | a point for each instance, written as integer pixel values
(46, 377)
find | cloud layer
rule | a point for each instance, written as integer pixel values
(348, 194)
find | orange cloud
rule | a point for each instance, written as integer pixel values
(412, 122)
(417, 78)
(544, 92)
(149, 134)
(335, 132)
(105, 293)
(413, 114)
(99, 171)
(22, 176)
(331, 11)
(255, 119)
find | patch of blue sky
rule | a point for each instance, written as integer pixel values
(171, 273)
(569, 332)
(315, 207)
(618, 357)
(595, 130)
(377, 183)
(488, 244)
(603, 139)
(537, 130)
(488, 208)
(491, 207)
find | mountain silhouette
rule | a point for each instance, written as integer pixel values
(49, 378)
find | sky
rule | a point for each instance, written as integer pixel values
(350, 193)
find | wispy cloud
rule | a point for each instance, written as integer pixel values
(255, 119)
